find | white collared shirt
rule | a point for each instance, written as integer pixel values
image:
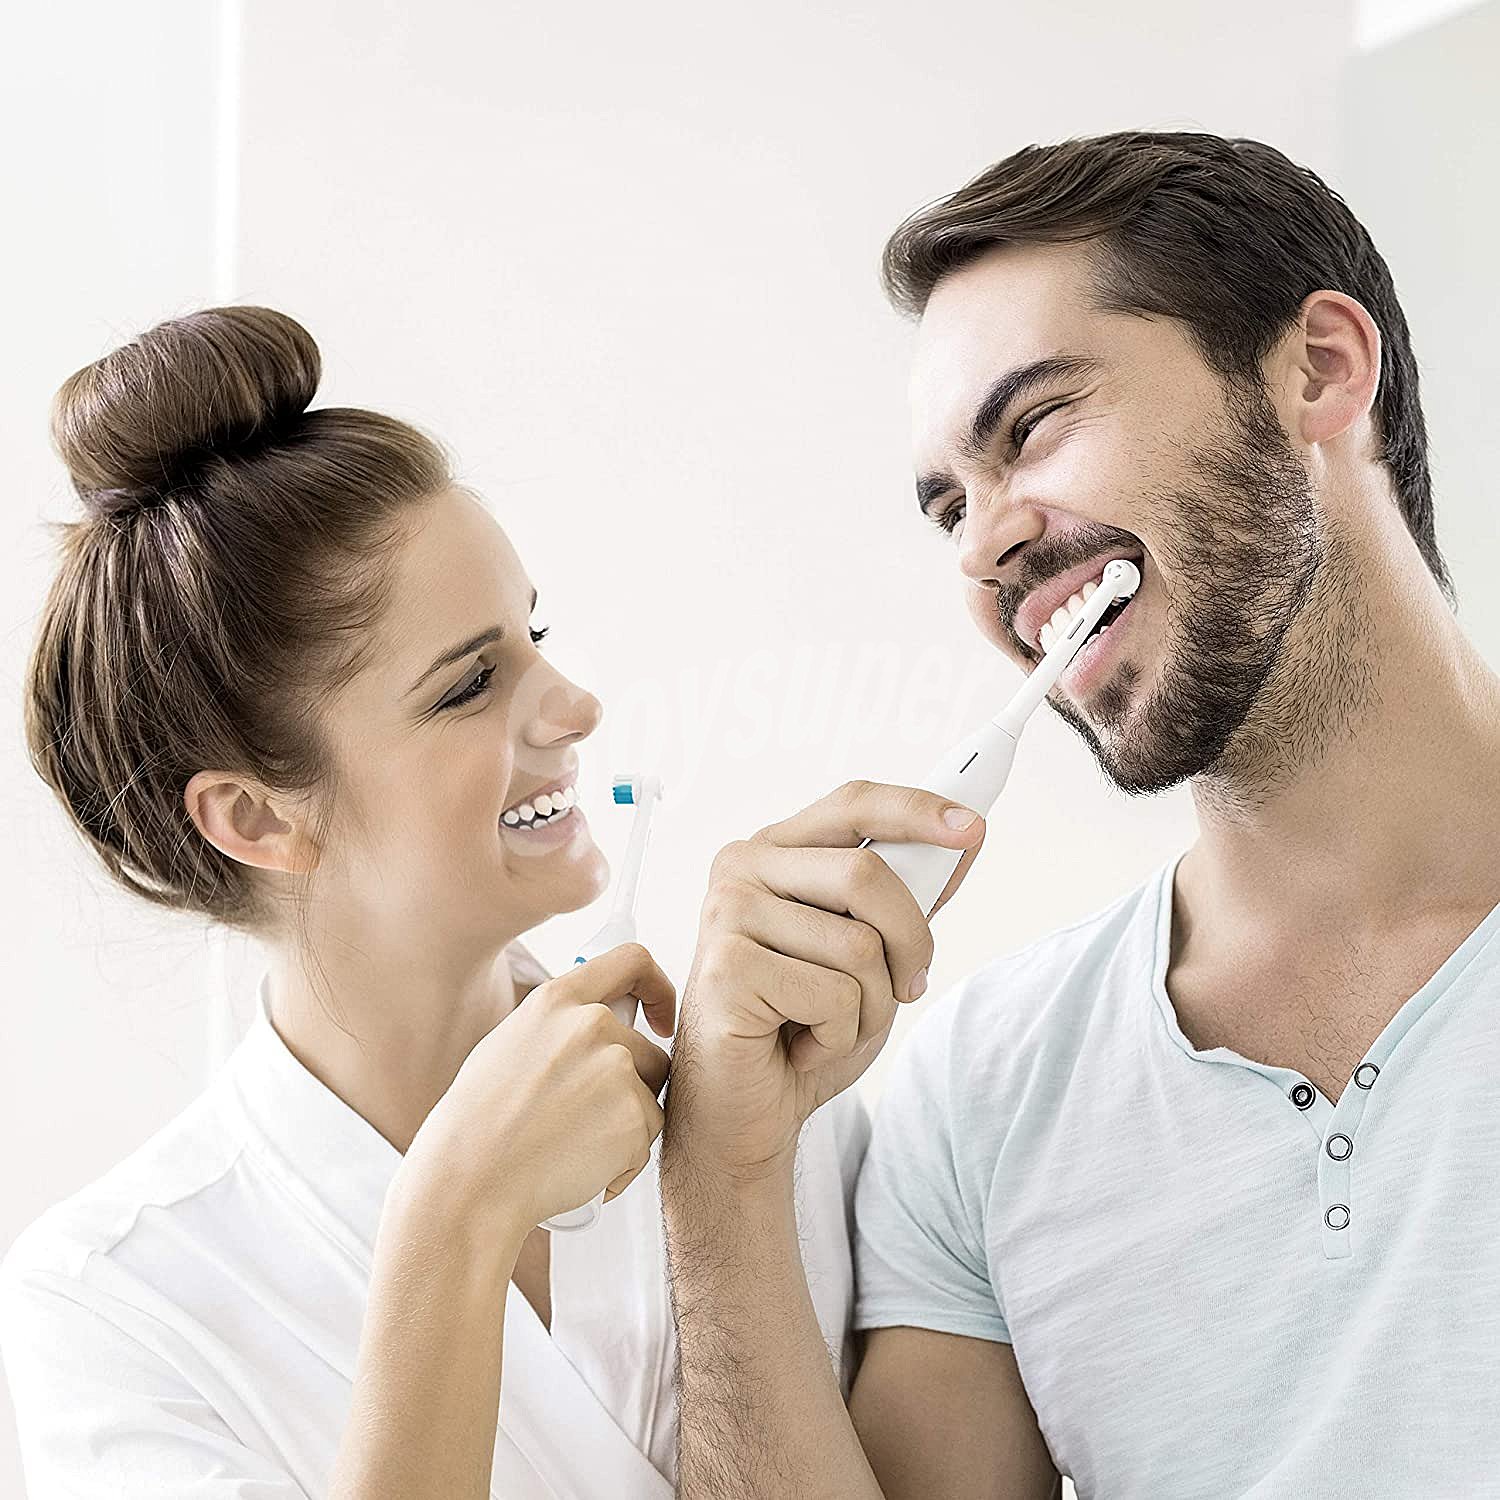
(188, 1324)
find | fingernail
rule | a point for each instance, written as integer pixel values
(918, 984)
(959, 817)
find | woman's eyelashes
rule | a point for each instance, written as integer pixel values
(479, 684)
(950, 519)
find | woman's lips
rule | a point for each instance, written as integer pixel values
(544, 835)
(562, 784)
(561, 834)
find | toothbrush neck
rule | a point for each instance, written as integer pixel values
(625, 894)
(630, 871)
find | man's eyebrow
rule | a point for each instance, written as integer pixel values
(929, 487)
(463, 649)
(1017, 383)
(990, 412)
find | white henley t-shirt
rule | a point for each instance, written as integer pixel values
(1217, 1282)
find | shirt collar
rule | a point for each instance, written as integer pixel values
(306, 1131)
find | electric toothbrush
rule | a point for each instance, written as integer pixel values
(643, 792)
(975, 770)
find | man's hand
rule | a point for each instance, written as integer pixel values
(807, 944)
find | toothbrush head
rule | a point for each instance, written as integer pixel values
(633, 790)
(1122, 576)
(1118, 582)
(1117, 585)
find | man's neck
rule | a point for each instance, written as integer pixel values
(1392, 811)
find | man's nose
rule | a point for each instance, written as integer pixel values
(995, 532)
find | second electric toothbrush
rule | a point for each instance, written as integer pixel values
(975, 770)
(644, 792)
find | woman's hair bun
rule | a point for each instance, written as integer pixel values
(143, 421)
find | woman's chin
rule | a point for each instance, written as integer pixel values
(592, 882)
(560, 860)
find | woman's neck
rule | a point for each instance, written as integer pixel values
(387, 1033)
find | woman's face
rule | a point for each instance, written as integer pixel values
(446, 741)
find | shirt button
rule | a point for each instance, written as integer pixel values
(1340, 1147)
(1337, 1217)
(1365, 1075)
(1303, 1095)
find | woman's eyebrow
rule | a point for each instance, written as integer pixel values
(458, 652)
(463, 648)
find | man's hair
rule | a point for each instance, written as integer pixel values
(1227, 236)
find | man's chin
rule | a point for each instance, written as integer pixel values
(1116, 728)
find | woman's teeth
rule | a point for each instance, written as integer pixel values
(541, 810)
(1064, 616)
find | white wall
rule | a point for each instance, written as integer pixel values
(622, 258)
(1379, 22)
(626, 265)
(1421, 128)
(107, 113)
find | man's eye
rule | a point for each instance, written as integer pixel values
(1025, 426)
(952, 518)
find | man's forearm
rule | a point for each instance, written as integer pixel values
(761, 1412)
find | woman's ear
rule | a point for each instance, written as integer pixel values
(249, 824)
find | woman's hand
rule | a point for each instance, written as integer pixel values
(800, 926)
(558, 1101)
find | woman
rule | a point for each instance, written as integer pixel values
(287, 678)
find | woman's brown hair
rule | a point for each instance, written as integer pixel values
(226, 575)
(1227, 236)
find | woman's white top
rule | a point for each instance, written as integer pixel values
(188, 1324)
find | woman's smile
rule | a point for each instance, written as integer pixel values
(547, 818)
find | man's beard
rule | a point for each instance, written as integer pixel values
(1245, 547)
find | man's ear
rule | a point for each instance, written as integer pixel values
(1334, 370)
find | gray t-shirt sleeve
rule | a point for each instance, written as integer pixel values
(919, 1235)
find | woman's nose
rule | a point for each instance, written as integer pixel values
(564, 713)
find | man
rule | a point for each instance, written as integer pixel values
(1193, 1198)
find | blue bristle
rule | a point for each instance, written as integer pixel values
(625, 792)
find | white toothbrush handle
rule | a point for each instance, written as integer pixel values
(615, 931)
(974, 773)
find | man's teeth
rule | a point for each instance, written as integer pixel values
(547, 808)
(1064, 616)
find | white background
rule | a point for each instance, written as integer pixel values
(622, 259)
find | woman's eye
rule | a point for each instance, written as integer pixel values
(481, 681)
(479, 685)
